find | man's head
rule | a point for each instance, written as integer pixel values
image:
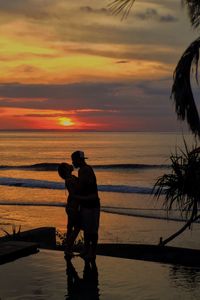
(78, 158)
(65, 170)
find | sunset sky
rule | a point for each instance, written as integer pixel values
(73, 65)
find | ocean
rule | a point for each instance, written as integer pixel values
(126, 164)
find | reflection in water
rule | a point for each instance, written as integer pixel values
(185, 277)
(82, 288)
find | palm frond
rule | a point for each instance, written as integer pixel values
(180, 187)
(181, 90)
(193, 7)
(122, 7)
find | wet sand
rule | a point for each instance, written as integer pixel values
(113, 228)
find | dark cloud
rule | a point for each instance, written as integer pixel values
(168, 18)
(25, 56)
(26, 69)
(74, 113)
(44, 115)
(143, 98)
(154, 14)
(60, 96)
(120, 34)
(148, 14)
(128, 53)
(30, 8)
(42, 10)
(122, 62)
(89, 9)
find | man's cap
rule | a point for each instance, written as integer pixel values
(78, 155)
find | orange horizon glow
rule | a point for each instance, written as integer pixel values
(45, 119)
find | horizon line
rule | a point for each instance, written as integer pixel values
(84, 130)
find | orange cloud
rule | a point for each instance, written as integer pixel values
(42, 60)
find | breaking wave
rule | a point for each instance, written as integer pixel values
(54, 166)
(44, 184)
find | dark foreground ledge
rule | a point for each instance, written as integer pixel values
(45, 237)
(26, 243)
(155, 253)
(13, 250)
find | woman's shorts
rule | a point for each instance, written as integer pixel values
(74, 219)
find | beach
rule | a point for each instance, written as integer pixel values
(114, 228)
(126, 166)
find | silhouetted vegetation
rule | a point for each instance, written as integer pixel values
(181, 188)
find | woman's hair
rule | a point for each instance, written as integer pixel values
(64, 170)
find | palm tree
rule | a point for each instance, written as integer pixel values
(181, 188)
(181, 91)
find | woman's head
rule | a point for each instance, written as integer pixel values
(65, 170)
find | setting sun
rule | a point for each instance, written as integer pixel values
(65, 121)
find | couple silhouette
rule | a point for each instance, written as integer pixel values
(83, 205)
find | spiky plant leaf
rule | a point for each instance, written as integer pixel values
(181, 188)
(121, 7)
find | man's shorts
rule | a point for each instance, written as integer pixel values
(90, 219)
